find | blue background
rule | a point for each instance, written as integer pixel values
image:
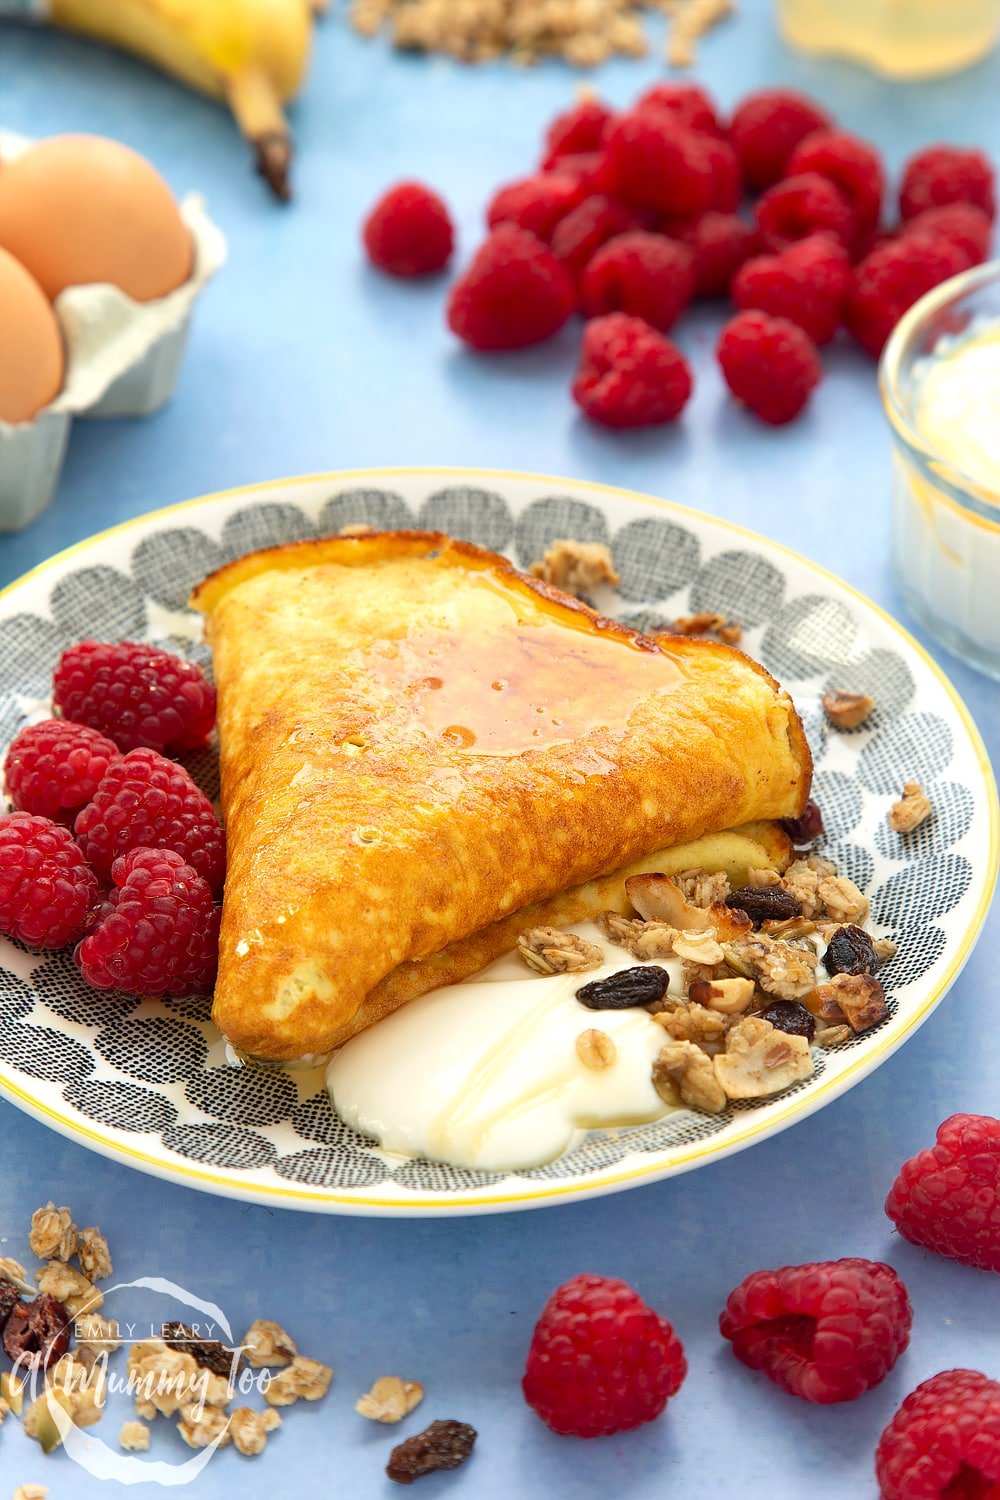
(302, 359)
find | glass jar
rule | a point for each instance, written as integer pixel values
(898, 38)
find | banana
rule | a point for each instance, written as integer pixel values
(250, 53)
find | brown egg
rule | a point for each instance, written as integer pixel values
(31, 347)
(79, 208)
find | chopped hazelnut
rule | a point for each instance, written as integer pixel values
(913, 808)
(847, 710)
(577, 567)
(730, 997)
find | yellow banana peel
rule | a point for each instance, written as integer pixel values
(252, 54)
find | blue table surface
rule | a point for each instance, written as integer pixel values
(302, 359)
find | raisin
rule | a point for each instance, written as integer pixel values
(765, 903)
(209, 1353)
(805, 829)
(790, 1016)
(638, 986)
(9, 1298)
(851, 951)
(442, 1445)
(37, 1333)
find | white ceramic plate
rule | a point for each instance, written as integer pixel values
(148, 1083)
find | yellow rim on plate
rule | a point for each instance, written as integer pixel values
(684, 1158)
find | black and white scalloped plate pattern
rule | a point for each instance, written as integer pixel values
(151, 1084)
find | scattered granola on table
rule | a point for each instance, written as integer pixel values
(577, 567)
(390, 1399)
(304, 1379)
(913, 808)
(134, 1437)
(249, 1429)
(267, 1343)
(53, 1234)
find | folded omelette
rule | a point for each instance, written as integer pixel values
(418, 743)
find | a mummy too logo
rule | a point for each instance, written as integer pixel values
(160, 1365)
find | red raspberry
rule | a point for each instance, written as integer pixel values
(807, 283)
(690, 105)
(944, 1441)
(766, 128)
(146, 801)
(894, 276)
(947, 1198)
(826, 1332)
(769, 364)
(800, 206)
(409, 231)
(852, 165)
(727, 174)
(721, 243)
(589, 170)
(643, 274)
(590, 225)
(162, 935)
(946, 174)
(654, 162)
(135, 695)
(53, 768)
(514, 293)
(630, 375)
(535, 203)
(582, 128)
(963, 225)
(45, 886)
(601, 1361)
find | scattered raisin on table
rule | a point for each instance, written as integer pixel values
(209, 1353)
(628, 987)
(442, 1445)
(37, 1333)
(790, 1016)
(851, 951)
(764, 903)
(806, 828)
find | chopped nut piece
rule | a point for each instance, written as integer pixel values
(847, 710)
(702, 889)
(595, 1049)
(683, 1074)
(707, 623)
(782, 969)
(267, 1343)
(693, 1023)
(548, 950)
(832, 1036)
(390, 1399)
(102, 1335)
(577, 567)
(93, 1254)
(201, 1426)
(699, 947)
(249, 1429)
(913, 808)
(857, 998)
(730, 997)
(134, 1437)
(305, 1378)
(71, 1288)
(53, 1233)
(842, 900)
(885, 948)
(641, 939)
(760, 1060)
(12, 1270)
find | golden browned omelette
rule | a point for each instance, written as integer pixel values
(418, 741)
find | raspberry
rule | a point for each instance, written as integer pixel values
(409, 231)
(162, 937)
(894, 276)
(852, 165)
(769, 364)
(963, 225)
(45, 886)
(826, 1332)
(589, 170)
(946, 174)
(590, 225)
(944, 1441)
(643, 274)
(514, 293)
(947, 1198)
(630, 375)
(807, 283)
(601, 1361)
(721, 243)
(766, 128)
(535, 203)
(654, 162)
(800, 206)
(582, 128)
(690, 105)
(727, 175)
(146, 801)
(135, 694)
(53, 768)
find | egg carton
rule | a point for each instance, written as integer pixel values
(122, 360)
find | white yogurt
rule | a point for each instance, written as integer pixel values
(486, 1073)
